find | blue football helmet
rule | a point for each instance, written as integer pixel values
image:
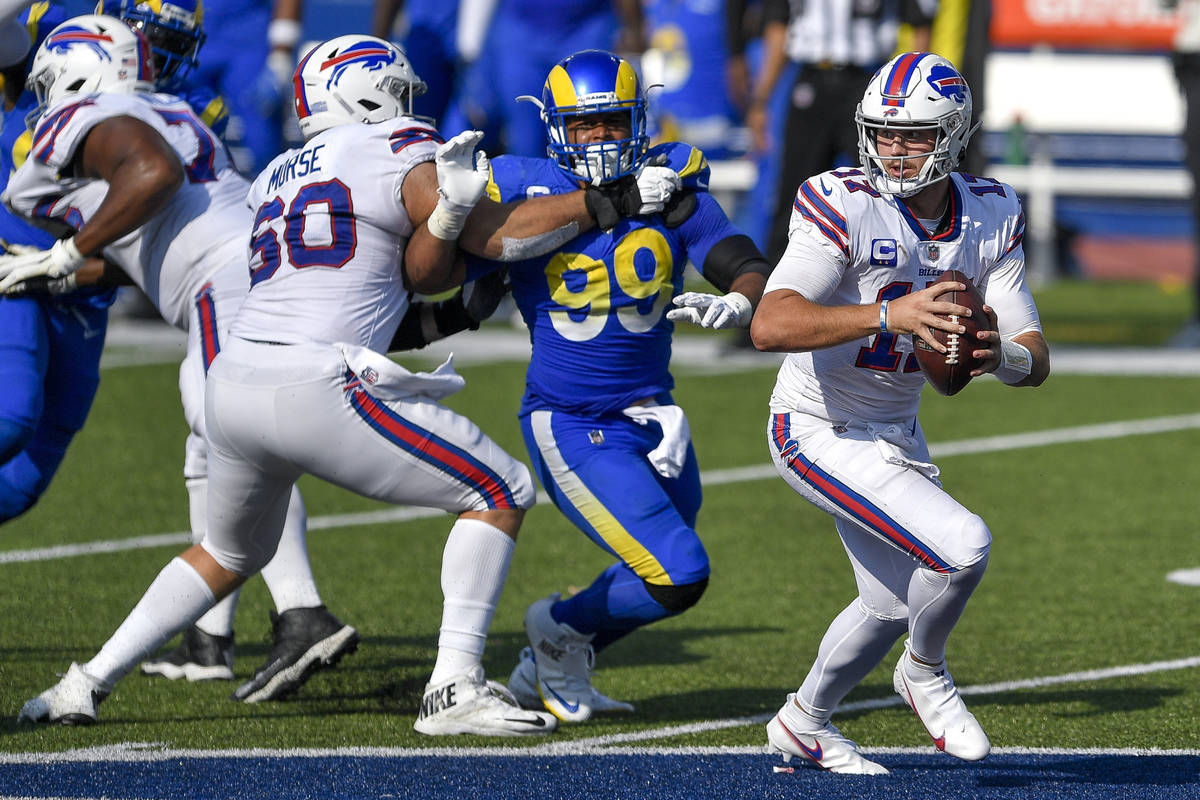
(594, 82)
(171, 26)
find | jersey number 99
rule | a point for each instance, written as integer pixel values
(583, 286)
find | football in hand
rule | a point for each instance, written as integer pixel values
(949, 372)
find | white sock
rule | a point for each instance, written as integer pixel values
(176, 599)
(289, 574)
(474, 566)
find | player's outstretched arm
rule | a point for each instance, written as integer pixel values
(735, 266)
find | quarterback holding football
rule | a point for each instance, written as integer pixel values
(860, 282)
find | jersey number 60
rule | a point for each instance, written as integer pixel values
(342, 239)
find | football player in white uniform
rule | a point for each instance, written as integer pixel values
(301, 384)
(138, 177)
(852, 286)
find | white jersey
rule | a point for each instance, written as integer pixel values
(849, 245)
(202, 228)
(328, 237)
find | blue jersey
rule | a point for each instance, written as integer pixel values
(596, 308)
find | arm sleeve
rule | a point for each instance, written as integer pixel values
(1008, 293)
(810, 266)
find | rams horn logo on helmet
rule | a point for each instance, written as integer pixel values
(370, 55)
(65, 38)
(947, 82)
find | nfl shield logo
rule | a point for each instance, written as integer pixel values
(933, 252)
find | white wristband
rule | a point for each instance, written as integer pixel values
(283, 33)
(1016, 362)
(447, 220)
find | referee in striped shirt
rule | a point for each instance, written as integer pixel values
(838, 44)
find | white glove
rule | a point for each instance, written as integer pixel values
(732, 310)
(655, 185)
(60, 260)
(462, 175)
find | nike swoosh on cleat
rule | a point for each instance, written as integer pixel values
(570, 707)
(813, 753)
(537, 722)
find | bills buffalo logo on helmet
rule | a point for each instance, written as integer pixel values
(65, 38)
(948, 83)
(368, 55)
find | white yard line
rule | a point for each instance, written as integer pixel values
(717, 477)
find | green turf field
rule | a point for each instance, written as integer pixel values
(1085, 534)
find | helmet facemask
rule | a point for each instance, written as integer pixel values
(597, 161)
(590, 83)
(914, 92)
(174, 34)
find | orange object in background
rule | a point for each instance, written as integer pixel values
(1083, 24)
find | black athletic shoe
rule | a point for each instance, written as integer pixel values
(306, 640)
(199, 656)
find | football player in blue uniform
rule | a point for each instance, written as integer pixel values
(604, 435)
(50, 345)
(175, 31)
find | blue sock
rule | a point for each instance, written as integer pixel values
(615, 604)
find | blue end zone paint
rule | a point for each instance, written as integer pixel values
(1015, 777)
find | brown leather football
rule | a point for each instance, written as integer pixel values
(949, 372)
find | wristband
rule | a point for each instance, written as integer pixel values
(1016, 362)
(283, 33)
(883, 316)
(447, 220)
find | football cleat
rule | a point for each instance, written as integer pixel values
(199, 656)
(560, 660)
(825, 748)
(523, 686)
(937, 703)
(469, 704)
(306, 640)
(71, 701)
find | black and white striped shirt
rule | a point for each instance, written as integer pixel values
(851, 32)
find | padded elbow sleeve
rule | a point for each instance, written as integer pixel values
(730, 258)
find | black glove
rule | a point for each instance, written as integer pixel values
(608, 203)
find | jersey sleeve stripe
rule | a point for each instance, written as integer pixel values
(830, 234)
(822, 207)
(48, 131)
(1018, 236)
(404, 137)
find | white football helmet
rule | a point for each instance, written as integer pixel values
(92, 53)
(921, 91)
(353, 79)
